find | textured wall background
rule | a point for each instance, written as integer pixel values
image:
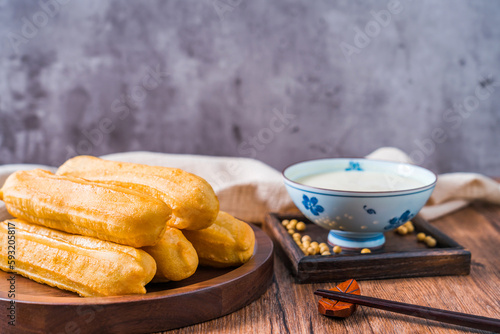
(280, 81)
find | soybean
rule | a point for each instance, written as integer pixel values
(409, 226)
(300, 226)
(402, 230)
(292, 224)
(430, 241)
(421, 236)
(311, 251)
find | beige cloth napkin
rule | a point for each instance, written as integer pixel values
(249, 189)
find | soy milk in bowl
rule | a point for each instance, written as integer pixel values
(358, 199)
(360, 181)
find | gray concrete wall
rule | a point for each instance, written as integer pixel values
(281, 81)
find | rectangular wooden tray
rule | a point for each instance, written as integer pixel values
(401, 255)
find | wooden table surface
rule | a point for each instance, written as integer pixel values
(288, 307)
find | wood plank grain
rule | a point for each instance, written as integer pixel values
(288, 307)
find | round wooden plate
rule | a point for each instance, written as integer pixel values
(208, 294)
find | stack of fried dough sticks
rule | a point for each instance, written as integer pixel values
(103, 228)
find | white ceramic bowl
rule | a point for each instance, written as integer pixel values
(358, 219)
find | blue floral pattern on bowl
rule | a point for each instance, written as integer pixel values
(395, 222)
(312, 205)
(369, 210)
(354, 166)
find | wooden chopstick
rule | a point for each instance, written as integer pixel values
(456, 318)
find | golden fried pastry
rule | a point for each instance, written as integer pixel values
(85, 265)
(192, 199)
(175, 256)
(78, 206)
(228, 242)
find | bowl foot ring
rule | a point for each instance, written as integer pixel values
(356, 241)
